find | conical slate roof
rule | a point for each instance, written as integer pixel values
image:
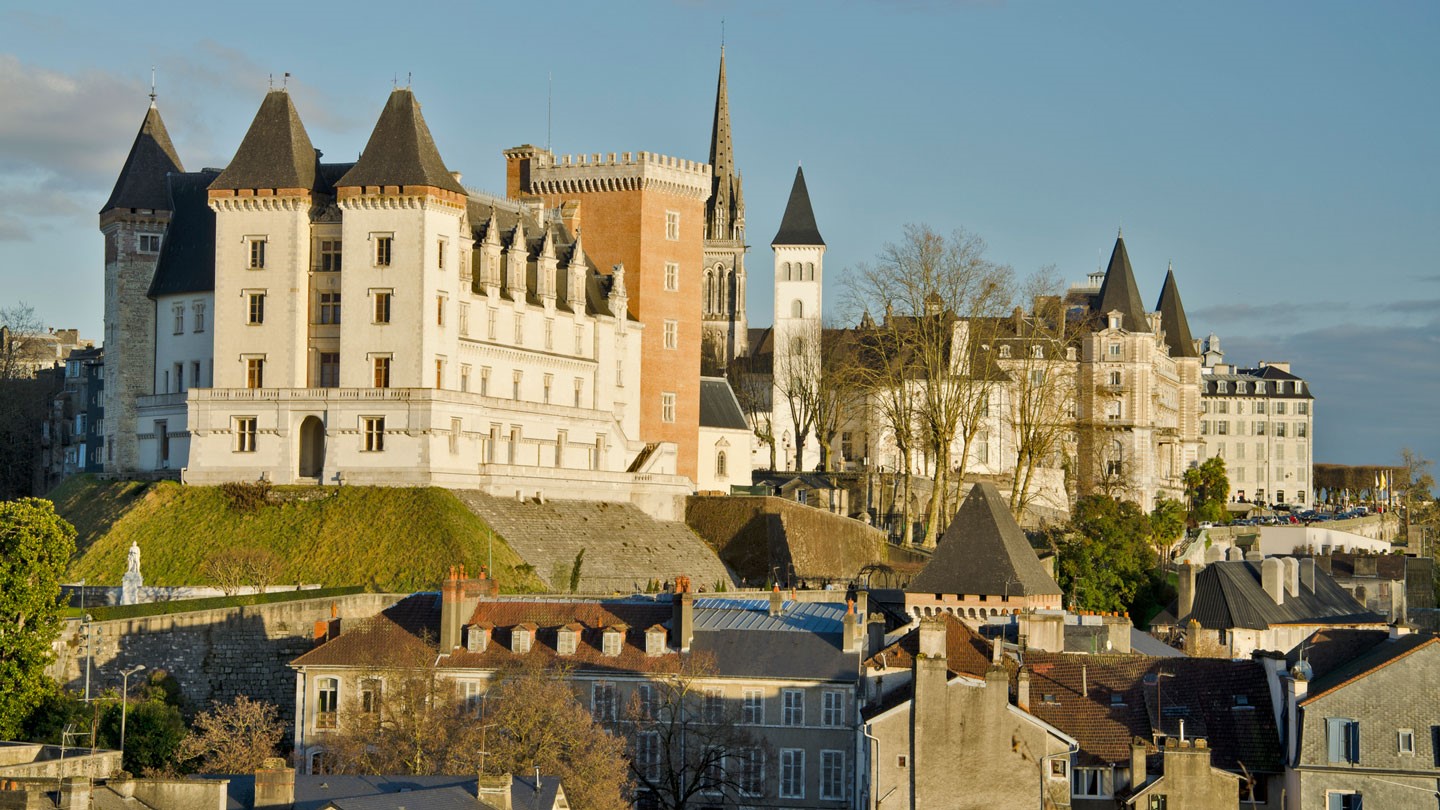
(1172, 320)
(798, 227)
(1119, 291)
(142, 180)
(401, 151)
(275, 153)
(984, 552)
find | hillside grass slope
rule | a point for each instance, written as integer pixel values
(386, 539)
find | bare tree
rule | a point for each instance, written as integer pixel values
(19, 329)
(937, 293)
(754, 391)
(887, 381)
(25, 399)
(797, 380)
(234, 737)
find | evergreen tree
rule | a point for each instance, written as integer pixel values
(35, 546)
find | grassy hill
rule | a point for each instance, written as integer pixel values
(390, 539)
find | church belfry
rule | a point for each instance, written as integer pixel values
(723, 313)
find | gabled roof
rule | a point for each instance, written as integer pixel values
(718, 406)
(1119, 291)
(187, 254)
(141, 183)
(1172, 320)
(1229, 594)
(1379, 656)
(798, 226)
(984, 552)
(966, 652)
(275, 152)
(401, 151)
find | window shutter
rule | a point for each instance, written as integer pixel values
(1335, 801)
(1352, 741)
(1335, 739)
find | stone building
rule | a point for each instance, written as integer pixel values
(726, 440)
(725, 325)
(1261, 421)
(72, 438)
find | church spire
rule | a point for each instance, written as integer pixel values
(725, 210)
(798, 226)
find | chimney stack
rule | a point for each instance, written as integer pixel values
(875, 626)
(458, 597)
(1022, 690)
(850, 641)
(682, 622)
(777, 601)
(275, 785)
(1307, 574)
(494, 791)
(74, 793)
(1187, 590)
(1292, 576)
(1137, 764)
(1272, 578)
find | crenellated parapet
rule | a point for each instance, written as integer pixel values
(626, 171)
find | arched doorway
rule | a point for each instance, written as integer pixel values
(312, 447)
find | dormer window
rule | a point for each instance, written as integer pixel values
(1117, 699)
(521, 637)
(611, 641)
(655, 641)
(477, 637)
(1240, 387)
(1037, 352)
(1004, 352)
(1115, 350)
(1114, 321)
(567, 639)
(1222, 387)
(1259, 387)
(1242, 702)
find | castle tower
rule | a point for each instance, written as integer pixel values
(1185, 351)
(645, 212)
(133, 222)
(725, 326)
(799, 274)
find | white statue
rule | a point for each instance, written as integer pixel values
(132, 565)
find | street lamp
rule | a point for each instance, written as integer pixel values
(125, 701)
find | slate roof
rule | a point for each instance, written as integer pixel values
(141, 183)
(1119, 291)
(718, 406)
(276, 151)
(1381, 655)
(313, 792)
(966, 651)
(1173, 321)
(984, 552)
(401, 151)
(1105, 701)
(797, 226)
(187, 253)
(1229, 594)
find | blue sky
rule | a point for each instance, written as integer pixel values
(1285, 156)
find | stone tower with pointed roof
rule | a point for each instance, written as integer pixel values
(726, 326)
(1139, 393)
(799, 275)
(133, 221)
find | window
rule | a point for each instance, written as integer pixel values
(672, 334)
(1259, 428)
(254, 372)
(329, 307)
(439, 373)
(751, 777)
(792, 773)
(257, 253)
(832, 775)
(792, 703)
(330, 255)
(515, 378)
(1342, 739)
(1004, 352)
(180, 377)
(667, 407)
(549, 335)
(647, 755)
(602, 701)
(1112, 409)
(579, 391)
(645, 706)
(1157, 803)
(245, 434)
(1090, 782)
(465, 319)
(329, 370)
(382, 306)
(1302, 408)
(327, 702)
(832, 709)
(471, 697)
(179, 319)
(545, 384)
(464, 378)
(1301, 430)
(198, 308)
(374, 429)
(610, 642)
(797, 309)
(149, 243)
(1405, 742)
(382, 371)
(1037, 377)
(672, 276)
(440, 249)
(1335, 800)
(714, 704)
(1222, 427)
(1222, 387)
(1260, 406)
(439, 310)
(490, 315)
(383, 248)
(672, 225)
(1114, 349)
(1280, 430)
(1114, 378)
(370, 696)
(565, 641)
(1037, 352)
(720, 465)
(752, 707)
(195, 374)
(484, 381)
(1279, 409)
(255, 312)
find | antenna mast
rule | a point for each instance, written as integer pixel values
(152, 85)
(549, 105)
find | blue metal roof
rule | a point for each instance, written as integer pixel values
(717, 613)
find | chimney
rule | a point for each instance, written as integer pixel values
(851, 637)
(682, 622)
(1272, 577)
(1307, 574)
(1292, 576)
(458, 598)
(1192, 638)
(932, 638)
(494, 791)
(1187, 590)
(875, 627)
(1137, 764)
(74, 793)
(275, 784)
(1022, 690)
(777, 601)
(1295, 688)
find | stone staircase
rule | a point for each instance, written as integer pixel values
(624, 547)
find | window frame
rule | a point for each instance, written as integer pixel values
(792, 773)
(792, 715)
(672, 276)
(383, 254)
(246, 428)
(832, 775)
(372, 430)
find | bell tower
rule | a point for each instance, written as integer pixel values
(799, 274)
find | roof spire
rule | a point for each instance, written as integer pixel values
(1172, 318)
(142, 183)
(797, 226)
(725, 210)
(152, 87)
(1119, 291)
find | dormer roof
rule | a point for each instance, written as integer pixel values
(141, 183)
(1173, 321)
(798, 226)
(275, 153)
(401, 151)
(1120, 293)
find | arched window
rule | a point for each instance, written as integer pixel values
(709, 290)
(797, 309)
(809, 271)
(787, 271)
(720, 464)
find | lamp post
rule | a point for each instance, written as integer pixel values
(125, 701)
